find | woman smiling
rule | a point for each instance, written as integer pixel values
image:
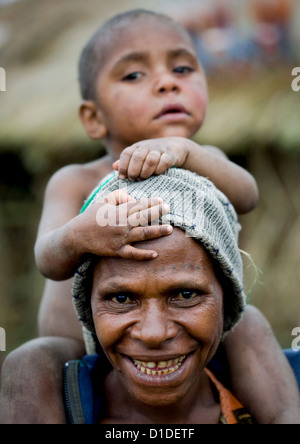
(157, 324)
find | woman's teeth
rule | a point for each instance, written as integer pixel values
(159, 368)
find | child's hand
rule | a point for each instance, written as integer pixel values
(151, 157)
(122, 221)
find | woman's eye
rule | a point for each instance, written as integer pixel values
(186, 295)
(187, 298)
(121, 299)
(133, 76)
(183, 70)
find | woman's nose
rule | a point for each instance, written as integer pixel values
(154, 327)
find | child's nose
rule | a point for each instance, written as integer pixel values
(166, 83)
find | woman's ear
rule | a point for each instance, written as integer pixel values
(92, 120)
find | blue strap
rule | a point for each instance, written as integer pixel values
(92, 370)
(294, 360)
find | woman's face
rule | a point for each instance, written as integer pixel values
(159, 322)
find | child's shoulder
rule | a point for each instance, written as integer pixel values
(86, 174)
(79, 179)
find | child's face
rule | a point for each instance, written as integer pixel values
(151, 85)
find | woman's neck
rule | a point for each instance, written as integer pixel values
(200, 407)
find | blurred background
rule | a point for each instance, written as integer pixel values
(248, 48)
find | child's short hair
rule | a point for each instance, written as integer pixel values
(93, 54)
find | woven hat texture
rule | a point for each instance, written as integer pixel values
(198, 208)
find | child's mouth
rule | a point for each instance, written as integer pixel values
(172, 109)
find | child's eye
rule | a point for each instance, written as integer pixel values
(132, 76)
(183, 70)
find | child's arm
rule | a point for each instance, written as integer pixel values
(155, 156)
(261, 377)
(65, 237)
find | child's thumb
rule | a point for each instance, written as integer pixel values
(115, 165)
(119, 197)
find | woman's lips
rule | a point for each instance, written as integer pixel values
(159, 368)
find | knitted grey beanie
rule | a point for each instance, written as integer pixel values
(198, 208)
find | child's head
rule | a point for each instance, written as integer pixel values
(140, 79)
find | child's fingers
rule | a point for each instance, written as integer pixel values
(121, 197)
(150, 165)
(124, 162)
(131, 213)
(141, 234)
(165, 162)
(144, 217)
(142, 204)
(115, 165)
(130, 252)
(118, 197)
(131, 161)
(136, 162)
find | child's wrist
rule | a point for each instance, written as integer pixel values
(72, 239)
(191, 150)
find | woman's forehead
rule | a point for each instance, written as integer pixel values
(177, 253)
